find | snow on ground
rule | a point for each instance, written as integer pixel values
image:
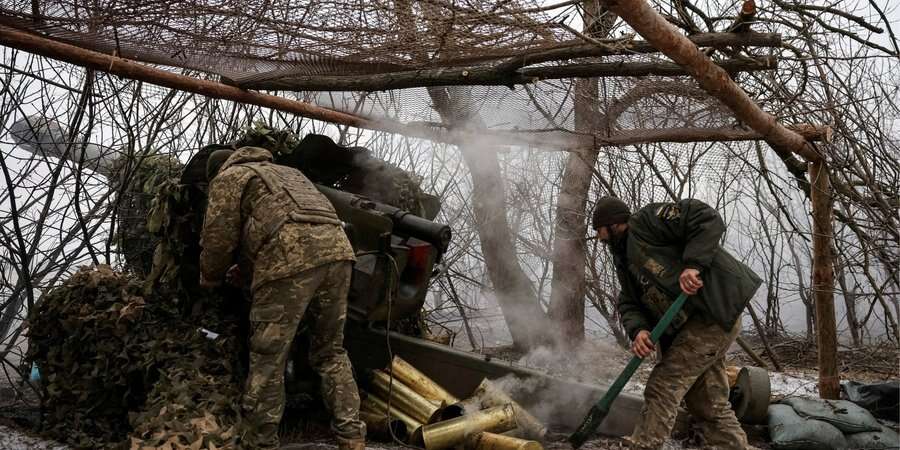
(796, 384)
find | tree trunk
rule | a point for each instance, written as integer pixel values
(823, 280)
(850, 304)
(567, 289)
(515, 294)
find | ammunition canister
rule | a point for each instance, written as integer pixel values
(406, 399)
(449, 433)
(492, 441)
(419, 382)
(378, 424)
(528, 426)
(378, 406)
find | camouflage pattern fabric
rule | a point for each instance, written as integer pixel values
(243, 220)
(658, 303)
(278, 307)
(285, 235)
(123, 369)
(385, 183)
(693, 369)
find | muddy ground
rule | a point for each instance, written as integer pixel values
(18, 407)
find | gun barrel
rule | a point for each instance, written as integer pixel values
(434, 233)
(406, 222)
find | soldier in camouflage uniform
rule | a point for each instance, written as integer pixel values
(660, 251)
(272, 222)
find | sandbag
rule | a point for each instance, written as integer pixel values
(846, 416)
(881, 399)
(789, 431)
(884, 439)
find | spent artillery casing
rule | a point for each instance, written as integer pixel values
(378, 424)
(493, 441)
(378, 406)
(419, 382)
(449, 433)
(528, 426)
(406, 399)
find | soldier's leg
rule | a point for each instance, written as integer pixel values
(328, 312)
(707, 401)
(274, 315)
(696, 347)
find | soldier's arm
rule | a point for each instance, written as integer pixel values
(221, 233)
(689, 222)
(702, 229)
(631, 315)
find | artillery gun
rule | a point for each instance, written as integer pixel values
(398, 249)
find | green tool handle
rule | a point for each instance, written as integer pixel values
(601, 408)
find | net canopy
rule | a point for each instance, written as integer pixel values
(511, 63)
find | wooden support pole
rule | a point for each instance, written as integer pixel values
(484, 76)
(712, 78)
(11, 37)
(553, 140)
(567, 141)
(751, 353)
(823, 279)
(606, 48)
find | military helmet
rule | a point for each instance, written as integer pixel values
(610, 210)
(214, 162)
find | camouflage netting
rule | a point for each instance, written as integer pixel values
(148, 178)
(255, 41)
(121, 367)
(352, 169)
(313, 47)
(349, 57)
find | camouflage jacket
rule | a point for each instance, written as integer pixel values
(269, 219)
(665, 238)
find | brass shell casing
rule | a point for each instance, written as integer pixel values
(406, 399)
(492, 441)
(449, 433)
(419, 382)
(488, 395)
(378, 424)
(378, 406)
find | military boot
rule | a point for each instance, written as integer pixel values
(351, 444)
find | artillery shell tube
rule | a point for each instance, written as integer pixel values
(378, 406)
(449, 433)
(378, 424)
(493, 441)
(419, 382)
(528, 426)
(420, 408)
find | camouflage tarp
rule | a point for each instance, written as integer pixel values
(118, 366)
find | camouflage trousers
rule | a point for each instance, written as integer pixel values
(692, 369)
(276, 311)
